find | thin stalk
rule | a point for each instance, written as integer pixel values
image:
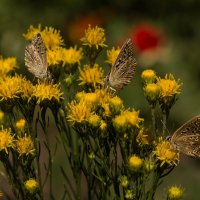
(165, 115)
(153, 118)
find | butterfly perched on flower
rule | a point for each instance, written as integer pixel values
(186, 139)
(35, 58)
(123, 69)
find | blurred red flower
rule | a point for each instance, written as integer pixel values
(146, 37)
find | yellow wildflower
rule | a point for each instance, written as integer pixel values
(54, 56)
(6, 140)
(44, 91)
(120, 122)
(103, 96)
(20, 123)
(78, 112)
(168, 86)
(124, 181)
(94, 37)
(24, 146)
(142, 138)
(7, 65)
(25, 88)
(175, 193)
(94, 120)
(112, 55)
(135, 162)
(152, 91)
(149, 76)
(31, 185)
(91, 76)
(129, 194)
(72, 55)
(32, 31)
(103, 125)
(116, 104)
(166, 153)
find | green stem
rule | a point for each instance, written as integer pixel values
(165, 116)
(153, 118)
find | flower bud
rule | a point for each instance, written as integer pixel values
(31, 185)
(148, 76)
(175, 193)
(135, 163)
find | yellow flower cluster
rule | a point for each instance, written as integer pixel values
(44, 91)
(112, 55)
(53, 41)
(7, 65)
(91, 76)
(165, 153)
(6, 140)
(94, 37)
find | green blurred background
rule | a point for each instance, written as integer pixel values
(179, 25)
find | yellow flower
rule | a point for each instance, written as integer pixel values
(124, 181)
(135, 162)
(127, 118)
(51, 37)
(166, 153)
(25, 88)
(94, 37)
(6, 140)
(91, 75)
(90, 98)
(152, 91)
(142, 138)
(103, 125)
(44, 91)
(7, 65)
(129, 194)
(78, 112)
(20, 123)
(24, 146)
(1, 115)
(72, 55)
(54, 56)
(175, 193)
(149, 76)
(103, 96)
(32, 31)
(112, 55)
(168, 86)
(116, 104)
(31, 185)
(94, 120)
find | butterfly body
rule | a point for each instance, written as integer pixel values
(186, 139)
(35, 58)
(123, 69)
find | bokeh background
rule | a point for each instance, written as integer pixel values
(167, 39)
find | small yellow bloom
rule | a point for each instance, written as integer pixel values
(142, 138)
(90, 98)
(94, 37)
(1, 115)
(78, 112)
(112, 55)
(120, 122)
(166, 153)
(103, 96)
(24, 146)
(6, 140)
(129, 194)
(43, 91)
(168, 86)
(20, 123)
(135, 162)
(71, 55)
(54, 56)
(31, 185)
(32, 31)
(149, 76)
(152, 91)
(25, 88)
(175, 193)
(91, 76)
(116, 104)
(103, 125)
(51, 37)
(124, 181)
(7, 65)
(94, 120)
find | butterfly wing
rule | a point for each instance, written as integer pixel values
(187, 137)
(123, 69)
(35, 57)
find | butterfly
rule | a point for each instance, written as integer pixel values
(186, 139)
(35, 58)
(123, 69)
